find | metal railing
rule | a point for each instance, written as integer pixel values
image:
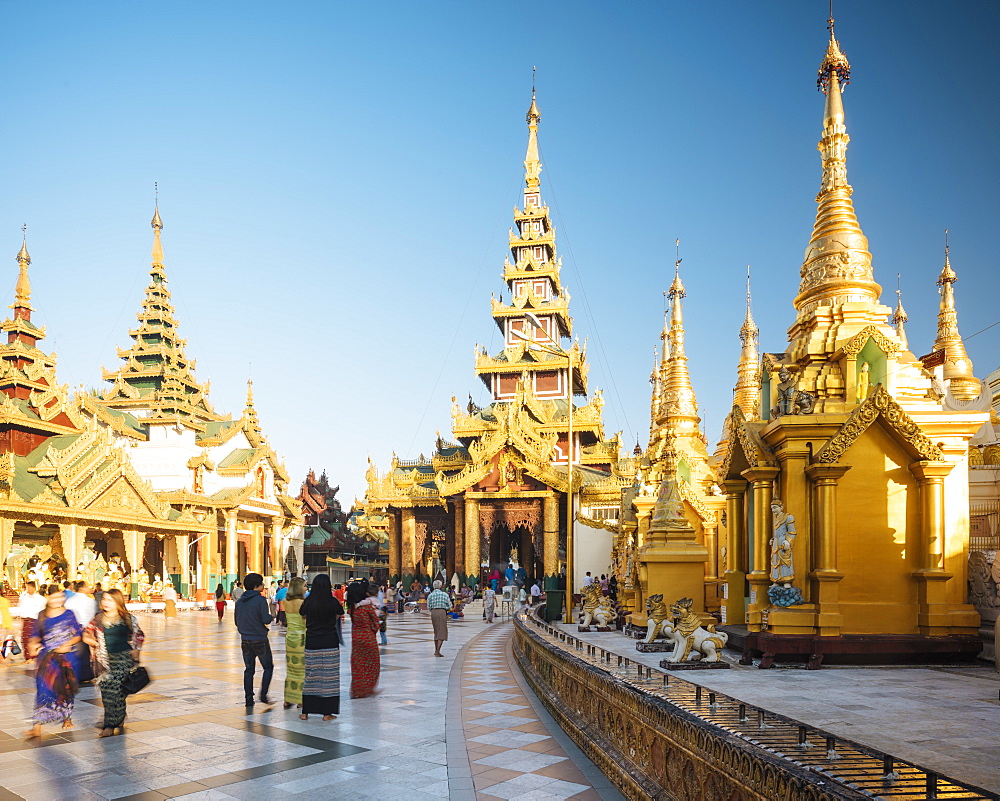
(833, 758)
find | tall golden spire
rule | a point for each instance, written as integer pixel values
(250, 411)
(837, 266)
(157, 223)
(899, 318)
(747, 393)
(532, 164)
(679, 407)
(957, 364)
(22, 289)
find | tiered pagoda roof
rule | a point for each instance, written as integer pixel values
(157, 379)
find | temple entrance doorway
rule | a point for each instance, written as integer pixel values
(511, 547)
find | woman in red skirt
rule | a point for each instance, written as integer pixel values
(366, 664)
(220, 601)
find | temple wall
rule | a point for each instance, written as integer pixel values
(593, 552)
(878, 537)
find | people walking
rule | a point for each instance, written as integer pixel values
(115, 639)
(489, 603)
(30, 603)
(169, 602)
(236, 591)
(252, 621)
(220, 601)
(55, 674)
(438, 604)
(279, 601)
(295, 643)
(323, 614)
(366, 664)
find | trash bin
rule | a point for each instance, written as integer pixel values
(553, 600)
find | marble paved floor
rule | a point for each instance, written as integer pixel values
(943, 718)
(188, 735)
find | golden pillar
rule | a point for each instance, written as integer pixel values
(395, 546)
(458, 545)
(472, 557)
(409, 537)
(182, 542)
(716, 505)
(734, 602)
(71, 535)
(135, 545)
(256, 549)
(932, 614)
(278, 549)
(762, 481)
(232, 549)
(825, 576)
(550, 542)
(6, 543)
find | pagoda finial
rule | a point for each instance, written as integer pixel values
(22, 289)
(957, 364)
(899, 317)
(249, 411)
(837, 267)
(678, 406)
(532, 164)
(157, 224)
(747, 392)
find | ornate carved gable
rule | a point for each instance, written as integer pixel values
(894, 418)
(123, 498)
(857, 342)
(745, 437)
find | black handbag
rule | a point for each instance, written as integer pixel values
(135, 680)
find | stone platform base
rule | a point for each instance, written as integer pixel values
(593, 628)
(634, 632)
(851, 649)
(667, 665)
(653, 647)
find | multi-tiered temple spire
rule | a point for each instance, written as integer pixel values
(747, 392)
(679, 407)
(957, 364)
(899, 318)
(837, 266)
(536, 321)
(157, 375)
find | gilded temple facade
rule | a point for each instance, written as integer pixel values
(72, 504)
(497, 491)
(847, 487)
(216, 472)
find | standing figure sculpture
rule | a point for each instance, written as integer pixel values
(786, 392)
(782, 564)
(864, 382)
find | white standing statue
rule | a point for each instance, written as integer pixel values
(782, 564)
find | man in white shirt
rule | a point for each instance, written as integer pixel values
(588, 579)
(536, 592)
(82, 604)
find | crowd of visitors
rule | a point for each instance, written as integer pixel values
(75, 633)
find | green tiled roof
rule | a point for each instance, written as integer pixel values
(237, 457)
(216, 427)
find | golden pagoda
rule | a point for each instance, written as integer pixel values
(496, 493)
(71, 501)
(673, 550)
(847, 505)
(210, 469)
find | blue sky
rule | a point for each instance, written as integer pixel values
(336, 181)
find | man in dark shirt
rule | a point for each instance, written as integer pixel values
(252, 621)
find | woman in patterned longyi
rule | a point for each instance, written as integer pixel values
(295, 643)
(115, 639)
(322, 613)
(366, 664)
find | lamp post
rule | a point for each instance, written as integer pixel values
(535, 323)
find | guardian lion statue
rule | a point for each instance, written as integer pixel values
(690, 638)
(658, 619)
(596, 606)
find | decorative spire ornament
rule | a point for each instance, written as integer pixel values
(679, 407)
(747, 392)
(838, 266)
(899, 317)
(22, 289)
(957, 364)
